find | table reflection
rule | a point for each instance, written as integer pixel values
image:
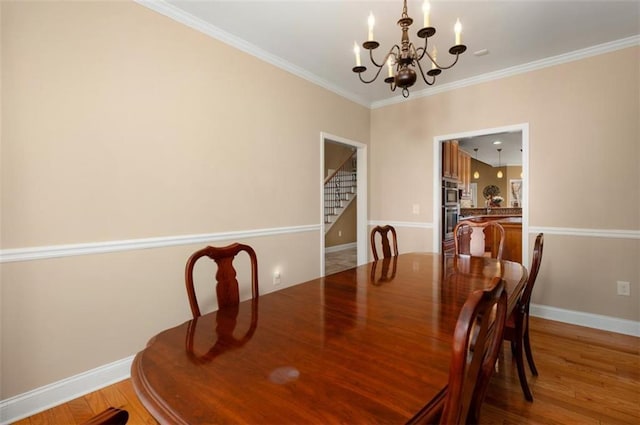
(387, 267)
(226, 320)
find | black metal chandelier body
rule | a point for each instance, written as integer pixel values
(406, 57)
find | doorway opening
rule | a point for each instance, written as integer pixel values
(345, 227)
(484, 139)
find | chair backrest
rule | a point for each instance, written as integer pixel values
(533, 273)
(476, 343)
(110, 416)
(227, 288)
(468, 237)
(386, 247)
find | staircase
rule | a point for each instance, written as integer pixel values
(339, 191)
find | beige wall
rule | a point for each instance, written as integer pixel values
(584, 143)
(334, 156)
(120, 124)
(488, 175)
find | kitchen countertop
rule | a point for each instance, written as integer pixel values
(498, 218)
(499, 211)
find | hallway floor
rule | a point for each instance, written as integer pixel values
(340, 260)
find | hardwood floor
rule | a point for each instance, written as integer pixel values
(586, 376)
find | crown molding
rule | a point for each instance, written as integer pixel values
(204, 27)
(173, 12)
(518, 69)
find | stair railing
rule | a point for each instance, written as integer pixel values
(337, 186)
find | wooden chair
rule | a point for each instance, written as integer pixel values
(517, 326)
(227, 289)
(110, 416)
(386, 247)
(468, 238)
(476, 344)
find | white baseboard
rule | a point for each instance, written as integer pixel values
(342, 247)
(589, 320)
(43, 398)
(32, 402)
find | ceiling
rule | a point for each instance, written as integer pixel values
(510, 143)
(314, 39)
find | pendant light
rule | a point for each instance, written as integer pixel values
(499, 170)
(476, 174)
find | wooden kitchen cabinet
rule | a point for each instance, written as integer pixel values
(512, 250)
(450, 159)
(446, 159)
(454, 159)
(464, 172)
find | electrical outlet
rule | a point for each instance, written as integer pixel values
(339, 233)
(416, 209)
(624, 288)
(276, 278)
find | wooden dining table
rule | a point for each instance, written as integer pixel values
(371, 344)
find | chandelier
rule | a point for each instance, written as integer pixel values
(402, 60)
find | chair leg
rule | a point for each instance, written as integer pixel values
(527, 349)
(521, 373)
(518, 355)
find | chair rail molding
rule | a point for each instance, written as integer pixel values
(55, 251)
(593, 233)
(409, 224)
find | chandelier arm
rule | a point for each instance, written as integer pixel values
(371, 80)
(418, 53)
(450, 66)
(379, 67)
(395, 46)
(421, 51)
(424, 78)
